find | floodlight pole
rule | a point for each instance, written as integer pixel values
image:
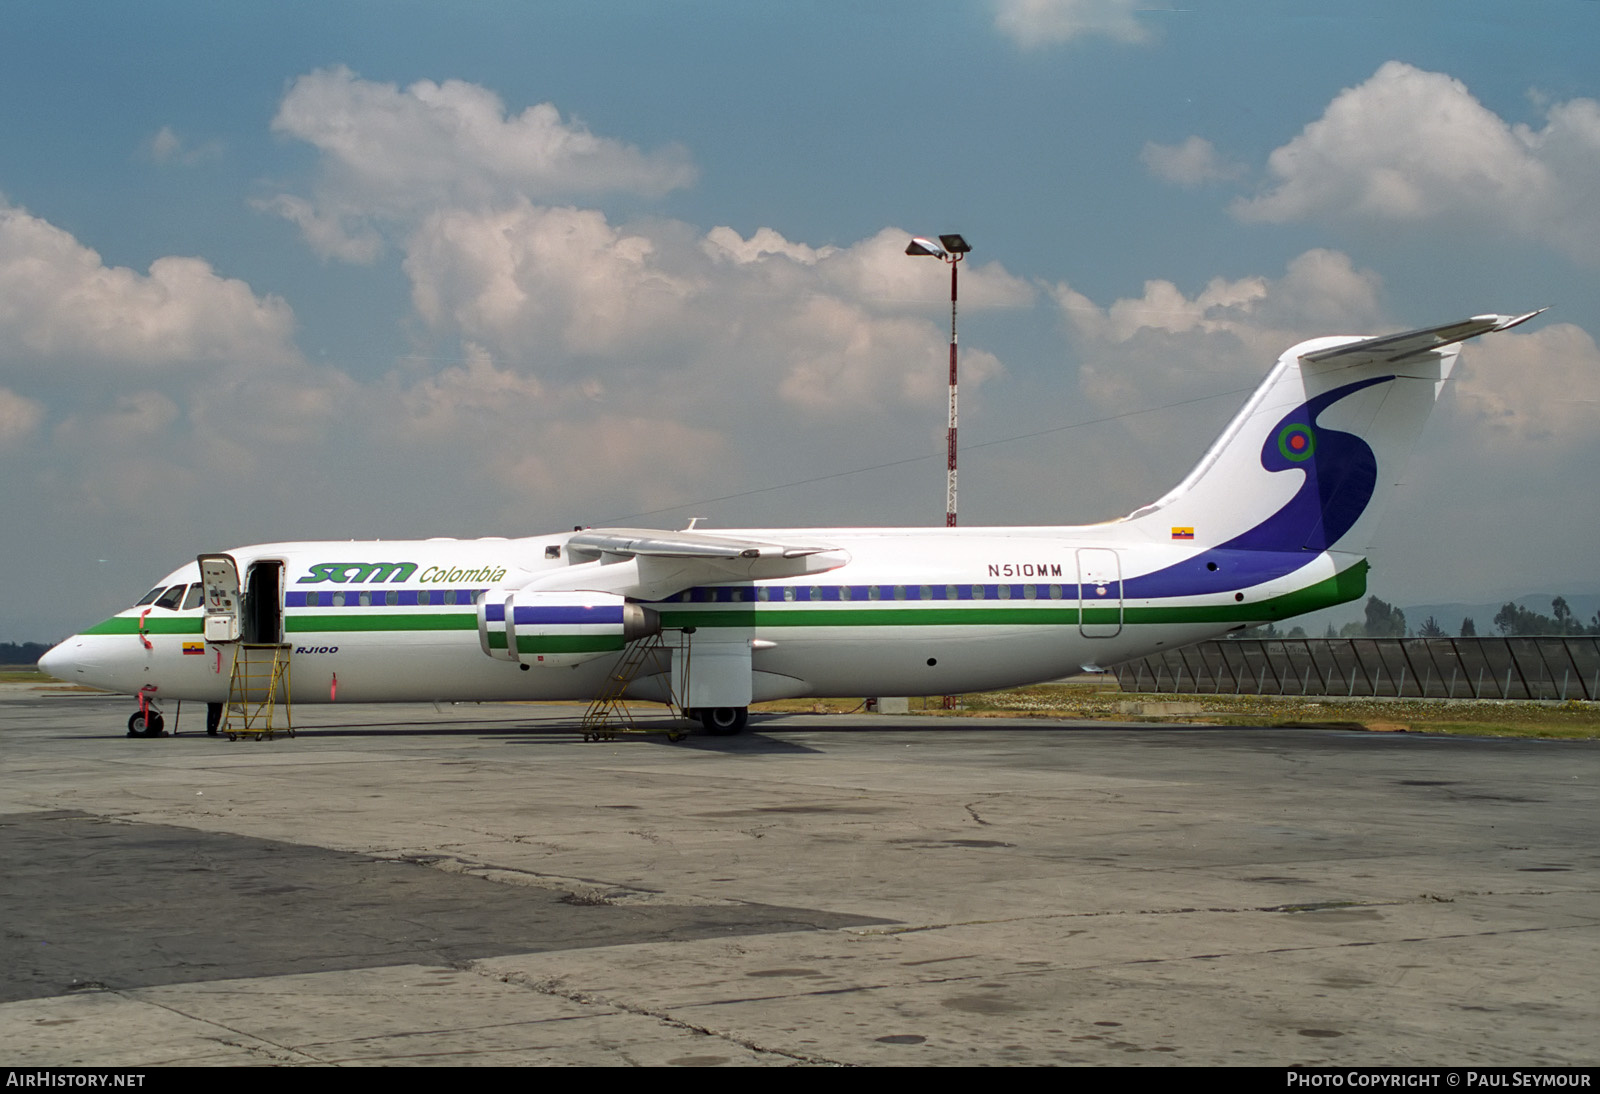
(952, 249)
(950, 474)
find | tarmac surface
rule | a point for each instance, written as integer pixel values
(478, 885)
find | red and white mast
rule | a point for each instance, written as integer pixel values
(952, 249)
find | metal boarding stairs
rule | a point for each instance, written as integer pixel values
(609, 712)
(258, 687)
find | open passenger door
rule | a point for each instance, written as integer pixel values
(219, 575)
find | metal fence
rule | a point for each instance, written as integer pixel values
(1431, 668)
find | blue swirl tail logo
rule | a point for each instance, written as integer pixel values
(1341, 473)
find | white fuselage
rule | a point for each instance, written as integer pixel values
(894, 612)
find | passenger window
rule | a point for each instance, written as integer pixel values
(150, 597)
(312, 600)
(172, 598)
(196, 594)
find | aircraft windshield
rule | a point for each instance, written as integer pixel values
(197, 593)
(150, 597)
(172, 598)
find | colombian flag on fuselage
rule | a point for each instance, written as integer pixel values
(1183, 533)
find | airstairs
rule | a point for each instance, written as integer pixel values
(257, 690)
(609, 711)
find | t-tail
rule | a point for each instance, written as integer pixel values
(1305, 468)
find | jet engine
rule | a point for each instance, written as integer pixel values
(559, 628)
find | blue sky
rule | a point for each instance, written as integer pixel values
(389, 269)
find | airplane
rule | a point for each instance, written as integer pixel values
(1274, 521)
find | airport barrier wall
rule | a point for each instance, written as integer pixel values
(1428, 668)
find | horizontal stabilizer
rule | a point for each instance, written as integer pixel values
(1391, 348)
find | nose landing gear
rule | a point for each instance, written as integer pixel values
(146, 723)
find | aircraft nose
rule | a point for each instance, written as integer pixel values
(60, 660)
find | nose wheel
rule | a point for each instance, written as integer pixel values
(146, 723)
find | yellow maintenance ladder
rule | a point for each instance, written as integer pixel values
(258, 687)
(609, 710)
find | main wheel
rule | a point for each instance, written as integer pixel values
(145, 724)
(723, 721)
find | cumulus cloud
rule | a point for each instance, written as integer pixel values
(61, 305)
(529, 275)
(825, 329)
(1533, 397)
(167, 147)
(1228, 333)
(19, 417)
(1192, 163)
(1035, 23)
(396, 154)
(1409, 146)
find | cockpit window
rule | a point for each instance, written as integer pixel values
(171, 598)
(150, 597)
(197, 593)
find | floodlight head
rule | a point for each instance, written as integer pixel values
(955, 244)
(920, 246)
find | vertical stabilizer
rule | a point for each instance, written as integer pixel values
(1308, 463)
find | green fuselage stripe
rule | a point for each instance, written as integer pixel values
(128, 624)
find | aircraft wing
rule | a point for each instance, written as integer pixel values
(651, 564)
(653, 543)
(1391, 348)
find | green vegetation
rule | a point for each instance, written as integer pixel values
(21, 653)
(1515, 622)
(1102, 701)
(1384, 620)
(21, 674)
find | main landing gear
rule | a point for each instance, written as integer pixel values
(723, 721)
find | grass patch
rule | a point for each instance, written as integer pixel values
(1101, 701)
(24, 676)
